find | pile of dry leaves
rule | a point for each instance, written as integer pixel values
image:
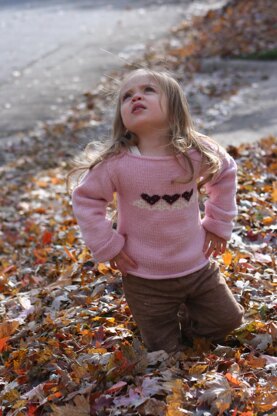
(68, 342)
(240, 28)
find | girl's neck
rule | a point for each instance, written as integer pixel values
(153, 145)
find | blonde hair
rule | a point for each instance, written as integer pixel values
(182, 135)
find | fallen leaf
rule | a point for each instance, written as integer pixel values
(218, 395)
(227, 258)
(8, 328)
(175, 399)
(81, 407)
(3, 343)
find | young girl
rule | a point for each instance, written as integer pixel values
(157, 164)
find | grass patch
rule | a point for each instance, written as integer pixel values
(270, 55)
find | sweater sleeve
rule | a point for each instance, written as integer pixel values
(89, 202)
(221, 207)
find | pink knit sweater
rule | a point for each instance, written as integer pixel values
(159, 223)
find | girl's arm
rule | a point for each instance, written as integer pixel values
(89, 202)
(221, 207)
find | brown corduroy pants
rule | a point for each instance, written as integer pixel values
(199, 305)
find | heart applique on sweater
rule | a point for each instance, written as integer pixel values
(187, 195)
(170, 199)
(151, 199)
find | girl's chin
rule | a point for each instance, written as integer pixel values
(145, 128)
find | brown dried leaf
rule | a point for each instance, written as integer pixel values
(8, 328)
(81, 407)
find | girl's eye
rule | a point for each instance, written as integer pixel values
(148, 88)
(125, 96)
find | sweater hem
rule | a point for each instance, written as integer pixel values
(171, 276)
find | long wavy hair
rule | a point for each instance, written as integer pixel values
(182, 134)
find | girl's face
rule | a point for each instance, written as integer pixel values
(143, 105)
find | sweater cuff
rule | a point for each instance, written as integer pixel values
(220, 228)
(111, 249)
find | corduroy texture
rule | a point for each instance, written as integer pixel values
(212, 310)
(159, 222)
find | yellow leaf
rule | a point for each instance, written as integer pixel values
(97, 318)
(267, 220)
(227, 258)
(11, 395)
(70, 237)
(97, 351)
(274, 192)
(41, 184)
(103, 269)
(249, 164)
(110, 320)
(19, 404)
(197, 369)
(175, 400)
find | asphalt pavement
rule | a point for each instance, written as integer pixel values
(53, 51)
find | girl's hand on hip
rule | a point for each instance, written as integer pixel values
(122, 262)
(214, 244)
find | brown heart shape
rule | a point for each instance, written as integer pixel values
(187, 195)
(151, 199)
(170, 199)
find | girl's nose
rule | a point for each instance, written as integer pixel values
(136, 97)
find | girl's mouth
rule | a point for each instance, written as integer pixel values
(138, 107)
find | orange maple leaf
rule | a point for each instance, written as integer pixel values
(47, 237)
(3, 343)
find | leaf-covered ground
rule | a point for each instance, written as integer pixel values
(68, 342)
(67, 339)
